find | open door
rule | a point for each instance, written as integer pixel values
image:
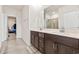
(11, 27)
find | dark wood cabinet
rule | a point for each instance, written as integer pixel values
(41, 45)
(68, 41)
(50, 47)
(63, 49)
(50, 44)
(36, 42)
(41, 42)
(54, 44)
(34, 39)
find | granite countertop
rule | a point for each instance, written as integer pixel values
(73, 34)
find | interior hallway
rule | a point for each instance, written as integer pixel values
(16, 46)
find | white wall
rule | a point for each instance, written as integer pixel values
(1, 17)
(18, 24)
(36, 16)
(69, 17)
(71, 20)
(25, 25)
(0, 28)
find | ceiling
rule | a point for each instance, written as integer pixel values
(18, 7)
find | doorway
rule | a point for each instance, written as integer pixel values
(11, 27)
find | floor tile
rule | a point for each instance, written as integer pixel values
(17, 46)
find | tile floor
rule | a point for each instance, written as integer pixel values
(17, 46)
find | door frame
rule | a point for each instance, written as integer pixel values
(7, 24)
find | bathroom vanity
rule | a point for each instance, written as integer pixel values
(60, 33)
(55, 42)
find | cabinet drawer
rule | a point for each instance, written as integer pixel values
(72, 42)
(51, 37)
(62, 49)
(41, 35)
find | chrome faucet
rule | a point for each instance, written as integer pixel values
(62, 29)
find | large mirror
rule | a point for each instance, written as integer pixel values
(61, 16)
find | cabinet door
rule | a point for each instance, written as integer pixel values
(36, 41)
(41, 45)
(32, 38)
(63, 49)
(41, 42)
(50, 47)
